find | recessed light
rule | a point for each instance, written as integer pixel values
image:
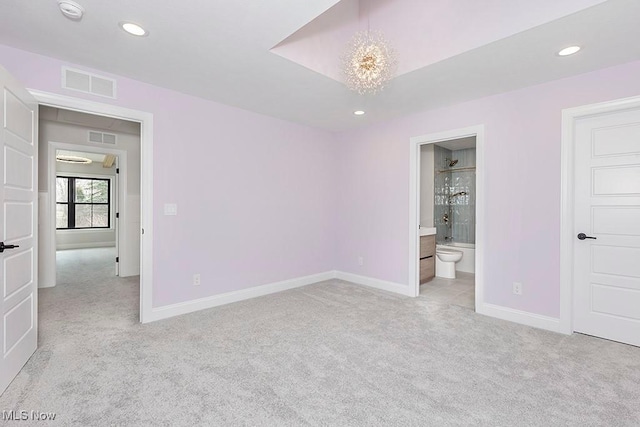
(359, 113)
(133, 29)
(569, 50)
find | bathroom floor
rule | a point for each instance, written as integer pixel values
(459, 291)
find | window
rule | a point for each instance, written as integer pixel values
(82, 203)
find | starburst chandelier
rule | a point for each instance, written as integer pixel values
(369, 62)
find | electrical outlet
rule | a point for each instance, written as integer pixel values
(517, 288)
(360, 260)
(196, 280)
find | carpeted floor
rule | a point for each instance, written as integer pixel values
(332, 353)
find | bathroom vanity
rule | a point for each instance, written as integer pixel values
(427, 255)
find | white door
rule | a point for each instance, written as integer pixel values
(607, 212)
(115, 195)
(18, 227)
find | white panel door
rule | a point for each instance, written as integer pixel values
(115, 196)
(607, 212)
(18, 227)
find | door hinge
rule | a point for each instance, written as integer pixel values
(117, 259)
(117, 214)
(117, 170)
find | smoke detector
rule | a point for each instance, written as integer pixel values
(71, 9)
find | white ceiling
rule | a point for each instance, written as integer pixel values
(220, 50)
(88, 120)
(458, 144)
(422, 32)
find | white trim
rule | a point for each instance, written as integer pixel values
(167, 311)
(396, 288)
(65, 246)
(414, 208)
(519, 316)
(185, 307)
(146, 178)
(567, 228)
(84, 175)
(76, 231)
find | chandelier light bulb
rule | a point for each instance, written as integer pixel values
(369, 62)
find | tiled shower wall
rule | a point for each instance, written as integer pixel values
(448, 181)
(441, 192)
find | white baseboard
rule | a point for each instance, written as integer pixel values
(522, 317)
(185, 307)
(396, 288)
(491, 310)
(124, 272)
(42, 285)
(63, 246)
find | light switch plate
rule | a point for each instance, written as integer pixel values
(170, 209)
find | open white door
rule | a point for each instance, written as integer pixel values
(18, 227)
(607, 226)
(116, 204)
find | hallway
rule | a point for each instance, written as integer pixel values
(89, 291)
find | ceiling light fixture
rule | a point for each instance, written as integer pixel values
(71, 9)
(134, 29)
(63, 158)
(359, 113)
(569, 50)
(369, 62)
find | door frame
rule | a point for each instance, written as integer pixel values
(414, 205)
(567, 197)
(120, 203)
(146, 178)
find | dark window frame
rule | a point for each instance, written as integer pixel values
(71, 203)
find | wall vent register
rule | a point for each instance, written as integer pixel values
(93, 84)
(102, 137)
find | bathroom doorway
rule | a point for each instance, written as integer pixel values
(448, 215)
(446, 223)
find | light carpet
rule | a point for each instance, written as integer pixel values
(331, 353)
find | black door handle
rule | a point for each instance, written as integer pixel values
(3, 247)
(583, 236)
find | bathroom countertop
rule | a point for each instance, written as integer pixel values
(424, 231)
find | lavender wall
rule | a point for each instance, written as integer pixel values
(262, 200)
(522, 159)
(256, 195)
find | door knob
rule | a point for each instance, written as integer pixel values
(583, 236)
(3, 247)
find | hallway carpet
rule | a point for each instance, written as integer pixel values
(332, 353)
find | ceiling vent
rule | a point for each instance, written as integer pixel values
(102, 137)
(88, 83)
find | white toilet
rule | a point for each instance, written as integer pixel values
(446, 262)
